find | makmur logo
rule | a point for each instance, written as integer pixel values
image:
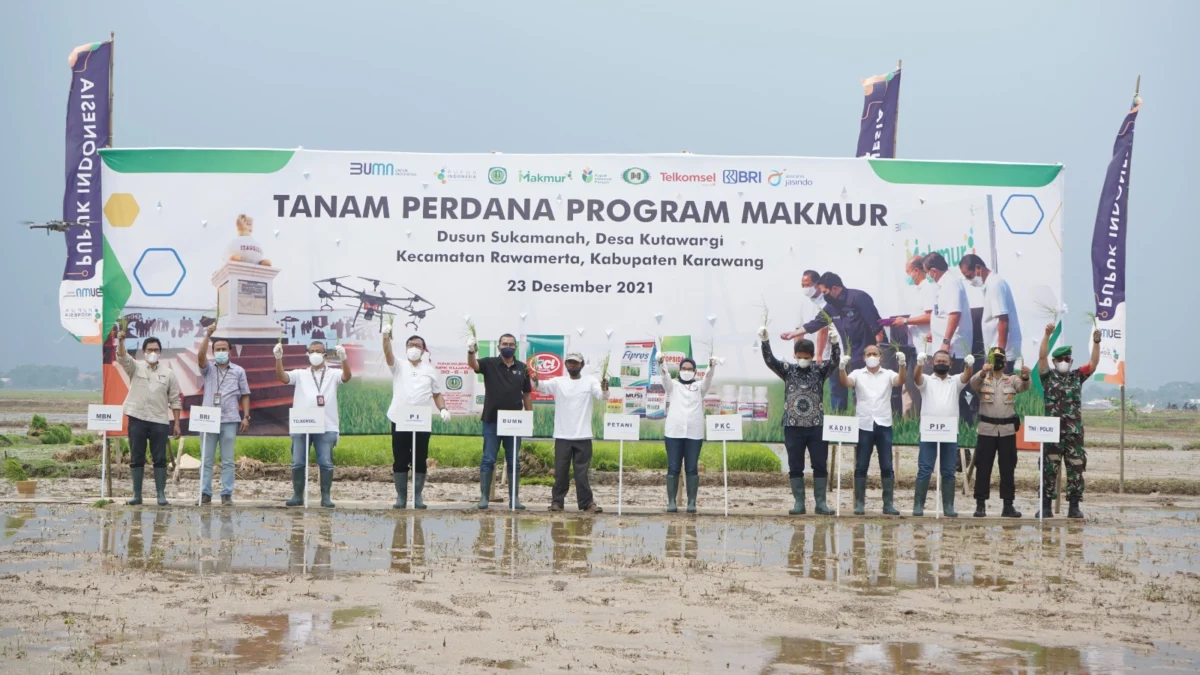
(953, 252)
(781, 178)
(635, 176)
(534, 177)
(379, 169)
(445, 175)
(497, 175)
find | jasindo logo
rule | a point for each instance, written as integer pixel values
(735, 176)
(782, 178)
(530, 177)
(635, 176)
(497, 175)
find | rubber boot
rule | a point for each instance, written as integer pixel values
(418, 488)
(485, 485)
(819, 497)
(980, 508)
(401, 481)
(1047, 508)
(797, 496)
(693, 486)
(919, 492)
(297, 488)
(139, 474)
(1009, 511)
(948, 499)
(515, 495)
(160, 484)
(672, 490)
(860, 495)
(889, 491)
(1073, 511)
(326, 486)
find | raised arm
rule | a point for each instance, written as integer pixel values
(202, 356)
(388, 356)
(472, 348)
(773, 363)
(977, 379)
(280, 375)
(968, 370)
(1095, 360)
(341, 354)
(835, 356)
(706, 384)
(918, 375)
(1044, 350)
(901, 372)
(123, 357)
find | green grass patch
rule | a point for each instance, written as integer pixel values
(50, 395)
(1192, 445)
(1130, 445)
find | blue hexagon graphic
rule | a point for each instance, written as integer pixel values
(163, 272)
(1022, 214)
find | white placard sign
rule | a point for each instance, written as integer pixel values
(840, 429)
(306, 420)
(723, 427)
(105, 417)
(939, 429)
(204, 420)
(514, 422)
(621, 427)
(1041, 429)
(414, 418)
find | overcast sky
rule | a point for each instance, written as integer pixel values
(1015, 81)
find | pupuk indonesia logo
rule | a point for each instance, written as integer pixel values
(497, 175)
(445, 175)
(591, 177)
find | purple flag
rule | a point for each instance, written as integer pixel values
(88, 111)
(881, 110)
(1108, 254)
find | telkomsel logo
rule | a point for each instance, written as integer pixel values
(379, 169)
(698, 178)
(781, 178)
(737, 176)
(497, 175)
(635, 176)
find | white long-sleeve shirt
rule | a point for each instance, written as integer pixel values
(685, 410)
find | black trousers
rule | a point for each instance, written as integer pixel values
(986, 451)
(567, 455)
(141, 433)
(402, 450)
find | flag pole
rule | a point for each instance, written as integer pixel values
(1137, 87)
(896, 133)
(112, 37)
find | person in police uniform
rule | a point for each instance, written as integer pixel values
(998, 424)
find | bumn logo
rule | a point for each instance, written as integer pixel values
(497, 175)
(636, 176)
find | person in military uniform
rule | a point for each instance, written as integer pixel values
(1063, 389)
(998, 424)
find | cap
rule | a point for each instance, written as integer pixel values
(574, 356)
(1061, 352)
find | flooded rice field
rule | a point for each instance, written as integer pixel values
(246, 589)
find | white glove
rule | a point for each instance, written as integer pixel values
(1019, 364)
(833, 337)
(969, 360)
(387, 330)
(472, 345)
(445, 415)
(712, 362)
(921, 358)
(762, 334)
(843, 362)
(341, 353)
(901, 359)
(278, 352)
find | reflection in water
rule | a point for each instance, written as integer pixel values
(682, 541)
(408, 553)
(572, 543)
(277, 636)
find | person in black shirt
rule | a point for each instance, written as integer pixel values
(507, 387)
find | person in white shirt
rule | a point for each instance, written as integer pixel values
(810, 308)
(415, 382)
(573, 396)
(917, 324)
(1001, 327)
(684, 430)
(873, 401)
(940, 394)
(316, 387)
(952, 326)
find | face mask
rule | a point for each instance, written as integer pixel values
(222, 358)
(977, 281)
(872, 361)
(830, 300)
(316, 358)
(151, 357)
(998, 363)
(507, 352)
(810, 292)
(804, 363)
(941, 368)
(687, 375)
(414, 353)
(1063, 367)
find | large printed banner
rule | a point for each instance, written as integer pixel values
(618, 255)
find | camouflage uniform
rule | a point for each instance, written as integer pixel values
(1063, 397)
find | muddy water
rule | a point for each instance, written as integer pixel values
(865, 555)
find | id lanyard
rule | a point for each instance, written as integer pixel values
(220, 381)
(320, 385)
